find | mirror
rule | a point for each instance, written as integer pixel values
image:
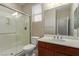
(63, 18)
(76, 22)
(57, 20)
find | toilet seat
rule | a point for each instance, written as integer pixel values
(29, 47)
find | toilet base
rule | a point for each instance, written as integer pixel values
(31, 53)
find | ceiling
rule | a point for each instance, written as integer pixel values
(63, 7)
(24, 4)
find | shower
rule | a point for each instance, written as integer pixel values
(14, 30)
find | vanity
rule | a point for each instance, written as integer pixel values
(47, 49)
(58, 48)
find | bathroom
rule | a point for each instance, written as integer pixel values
(39, 29)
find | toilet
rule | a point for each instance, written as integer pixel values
(30, 48)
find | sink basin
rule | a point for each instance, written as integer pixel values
(57, 40)
(54, 40)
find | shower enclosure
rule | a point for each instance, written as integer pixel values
(14, 31)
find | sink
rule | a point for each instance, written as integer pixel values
(54, 40)
(57, 40)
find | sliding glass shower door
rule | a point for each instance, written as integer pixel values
(14, 31)
(22, 31)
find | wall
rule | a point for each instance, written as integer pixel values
(37, 29)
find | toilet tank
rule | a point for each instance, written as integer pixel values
(34, 40)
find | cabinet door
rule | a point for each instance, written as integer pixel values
(45, 49)
(43, 52)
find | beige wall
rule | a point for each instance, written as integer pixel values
(37, 29)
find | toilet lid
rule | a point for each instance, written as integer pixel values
(29, 47)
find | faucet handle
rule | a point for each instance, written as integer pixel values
(57, 37)
(61, 37)
(54, 37)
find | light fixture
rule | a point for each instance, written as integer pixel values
(15, 14)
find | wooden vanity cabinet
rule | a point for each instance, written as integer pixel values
(58, 53)
(44, 52)
(48, 49)
(45, 49)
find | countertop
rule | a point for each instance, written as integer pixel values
(65, 42)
